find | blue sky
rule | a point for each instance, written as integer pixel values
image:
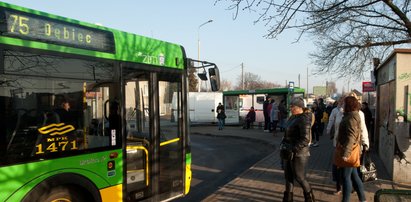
(225, 41)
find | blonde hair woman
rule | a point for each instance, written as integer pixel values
(295, 151)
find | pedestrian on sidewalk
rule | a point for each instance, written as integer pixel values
(317, 127)
(274, 116)
(308, 111)
(266, 112)
(322, 107)
(295, 152)
(250, 118)
(365, 142)
(332, 130)
(220, 116)
(349, 133)
(283, 114)
(368, 119)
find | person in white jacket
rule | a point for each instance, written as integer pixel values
(332, 130)
(274, 116)
(365, 142)
(334, 121)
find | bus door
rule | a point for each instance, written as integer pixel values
(171, 137)
(137, 126)
(154, 137)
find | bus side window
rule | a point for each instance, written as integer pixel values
(260, 99)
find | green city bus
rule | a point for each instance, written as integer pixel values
(85, 111)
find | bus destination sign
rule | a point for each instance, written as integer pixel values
(58, 32)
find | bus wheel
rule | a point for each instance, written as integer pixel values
(64, 194)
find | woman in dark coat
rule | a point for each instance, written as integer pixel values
(349, 134)
(295, 150)
(250, 118)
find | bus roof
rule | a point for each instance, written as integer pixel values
(35, 29)
(264, 91)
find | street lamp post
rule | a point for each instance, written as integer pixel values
(198, 50)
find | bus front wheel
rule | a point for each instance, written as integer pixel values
(64, 194)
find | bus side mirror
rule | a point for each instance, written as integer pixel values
(202, 76)
(214, 75)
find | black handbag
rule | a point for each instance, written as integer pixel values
(286, 151)
(368, 170)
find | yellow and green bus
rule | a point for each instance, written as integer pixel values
(85, 111)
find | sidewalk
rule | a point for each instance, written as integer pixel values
(265, 180)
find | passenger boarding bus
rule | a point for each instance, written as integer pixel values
(85, 112)
(237, 103)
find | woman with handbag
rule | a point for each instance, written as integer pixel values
(347, 151)
(294, 150)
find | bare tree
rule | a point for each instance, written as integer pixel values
(252, 82)
(267, 84)
(192, 80)
(225, 85)
(347, 33)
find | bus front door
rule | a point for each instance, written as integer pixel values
(137, 140)
(171, 140)
(154, 138)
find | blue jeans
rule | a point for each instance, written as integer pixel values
(348, 174)
(220, 124)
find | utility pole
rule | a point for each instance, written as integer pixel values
(242, 74)
(306, 93)
(198, 50)
(299, 80)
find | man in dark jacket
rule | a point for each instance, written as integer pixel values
(221, 116)
(317, 129)
(266, 113)
(368, 120)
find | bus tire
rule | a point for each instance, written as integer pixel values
(67, 186)
(65, 194)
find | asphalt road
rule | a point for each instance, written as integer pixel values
(218, 160)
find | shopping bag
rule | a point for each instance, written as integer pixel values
(368, 170)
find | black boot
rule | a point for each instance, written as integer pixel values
(309, 196)
(288, 196)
